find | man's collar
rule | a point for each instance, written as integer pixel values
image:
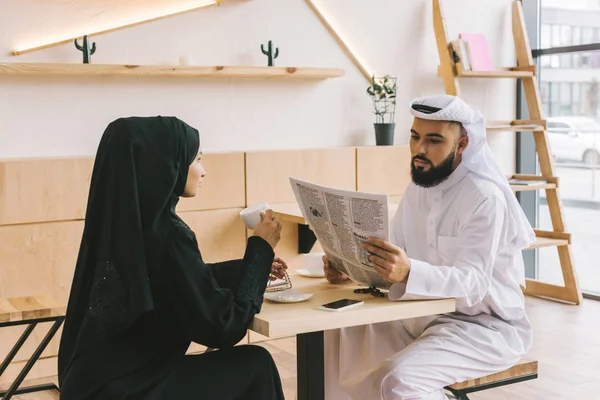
(455, 177)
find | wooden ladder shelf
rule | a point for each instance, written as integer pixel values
(451, 71)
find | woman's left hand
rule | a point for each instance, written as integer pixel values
(278, 269)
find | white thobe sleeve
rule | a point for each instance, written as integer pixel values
(468, 279)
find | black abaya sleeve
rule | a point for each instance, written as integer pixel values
(207, 313)
(228, 274)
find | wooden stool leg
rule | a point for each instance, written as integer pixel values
(16, 347)
(12, 390)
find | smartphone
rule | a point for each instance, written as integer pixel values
(340, 305)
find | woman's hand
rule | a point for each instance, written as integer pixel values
(269, 228)
(278, 269)
(332, 274)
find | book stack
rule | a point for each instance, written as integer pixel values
(472, 52)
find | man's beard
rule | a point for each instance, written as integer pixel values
(434, 175)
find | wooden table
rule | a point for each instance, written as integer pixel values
(308, 323)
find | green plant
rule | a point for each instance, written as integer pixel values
(383, 93)
(87, 52)
(270, 53)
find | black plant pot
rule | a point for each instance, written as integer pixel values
(384, 134)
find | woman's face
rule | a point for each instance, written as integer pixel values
(194, 179)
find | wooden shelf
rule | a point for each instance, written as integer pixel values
(550, 291)
(501, 73)
(549, 239)
(72, 69)
(536, 182)
(495, 74)
(516, 126)
(515, 73)
(547, 242)
(537, 186)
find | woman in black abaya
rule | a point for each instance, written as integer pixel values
(141, 292)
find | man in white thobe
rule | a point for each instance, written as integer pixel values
(458, 233)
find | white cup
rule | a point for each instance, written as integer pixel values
(251, 215)
(312, 262)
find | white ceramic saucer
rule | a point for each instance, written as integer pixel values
(288, 296)
(311, 274)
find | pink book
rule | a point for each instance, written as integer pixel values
(479, 53)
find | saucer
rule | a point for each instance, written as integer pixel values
(288, 296)
(311, 274)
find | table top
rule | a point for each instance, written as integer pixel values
(289, 319)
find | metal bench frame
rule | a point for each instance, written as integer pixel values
(14, 388)
(462, 394)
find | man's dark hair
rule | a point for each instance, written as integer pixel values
(459, 126)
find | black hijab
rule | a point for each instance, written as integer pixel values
(140, 171)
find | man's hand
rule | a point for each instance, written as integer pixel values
(278, 269)
(391, 262)
(333, 275)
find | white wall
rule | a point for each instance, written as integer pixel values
(66, 116)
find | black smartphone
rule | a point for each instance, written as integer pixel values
(339, 305)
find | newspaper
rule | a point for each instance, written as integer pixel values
(342, 220)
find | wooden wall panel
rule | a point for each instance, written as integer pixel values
(383, 169)
(44, 367)
(42, 190)
(221, 234)
(38, 190)
(268, 172)
(37, 259)
(223, 186)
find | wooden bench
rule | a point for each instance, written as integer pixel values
(29, 311)
(523, 371)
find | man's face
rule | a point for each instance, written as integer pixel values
(436, 148)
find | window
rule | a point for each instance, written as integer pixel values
(568, 81)
(558, 128)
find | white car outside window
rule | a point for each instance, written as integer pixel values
(574, 139)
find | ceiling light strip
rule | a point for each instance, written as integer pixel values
(48, 45)
(340, 41)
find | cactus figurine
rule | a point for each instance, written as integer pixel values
(270, 53)
(87, 52)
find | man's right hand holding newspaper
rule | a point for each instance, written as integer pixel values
(390, 261)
